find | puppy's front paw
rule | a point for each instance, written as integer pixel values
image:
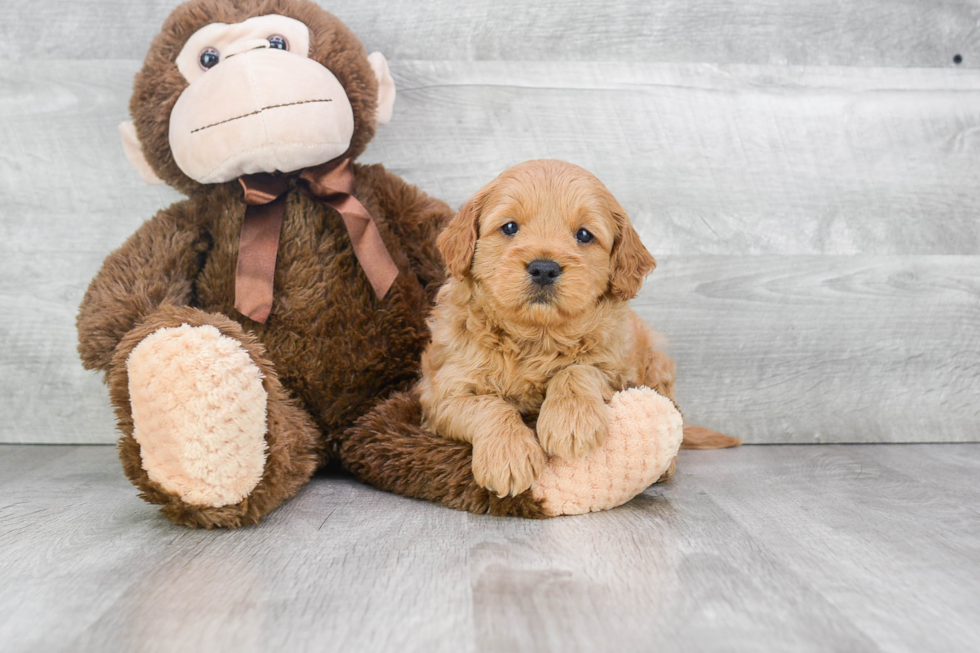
(572, 427)
(507, 463)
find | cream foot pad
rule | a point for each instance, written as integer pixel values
(199, 411)
(645, 432)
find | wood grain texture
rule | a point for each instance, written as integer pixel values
(896, 33)
(707, 159)
(823, 349)
(847, 548)
(715, 159)
(753, 164)
(67, 198)
(857, 518)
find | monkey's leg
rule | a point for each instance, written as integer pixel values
(389, 449)
(208, 432)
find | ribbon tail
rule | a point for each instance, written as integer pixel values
(257, 251)
(371, 253)
(333, 183)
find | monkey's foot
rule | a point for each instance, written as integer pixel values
(199, 414)
(645, 432)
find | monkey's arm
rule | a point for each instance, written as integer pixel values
(155, 267)
(416, 219)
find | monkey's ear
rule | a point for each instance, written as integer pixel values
(457, 242)
(630, 259)
(134, 152)
(386, 87)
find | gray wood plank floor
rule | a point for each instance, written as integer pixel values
(775, 548)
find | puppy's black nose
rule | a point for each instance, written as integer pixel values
(543, 271)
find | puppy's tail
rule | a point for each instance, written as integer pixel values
(698, 437)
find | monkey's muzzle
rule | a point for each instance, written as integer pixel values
(265, 110)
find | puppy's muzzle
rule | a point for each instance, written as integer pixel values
(543, 271)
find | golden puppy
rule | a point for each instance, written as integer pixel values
(534, 324)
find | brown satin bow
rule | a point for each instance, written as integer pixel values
(265, 197)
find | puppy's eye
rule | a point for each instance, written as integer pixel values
(510, 228)
(278, 42)
(209, 58)
(584, 236)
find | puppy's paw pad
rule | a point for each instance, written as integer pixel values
(645, 432)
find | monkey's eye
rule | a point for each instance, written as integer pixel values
(209, 58)
(584, 236)
(510, 228)
(278, 42)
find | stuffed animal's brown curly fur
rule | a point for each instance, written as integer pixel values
(330, 349)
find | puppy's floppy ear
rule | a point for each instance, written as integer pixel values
(457, 242)
(630, 259)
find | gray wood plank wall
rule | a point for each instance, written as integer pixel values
(807, 174)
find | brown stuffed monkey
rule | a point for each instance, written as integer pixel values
(244, 330)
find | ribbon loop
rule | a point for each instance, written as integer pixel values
(330, 178)
(262, 188)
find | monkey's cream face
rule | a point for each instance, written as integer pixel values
(256, 102)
